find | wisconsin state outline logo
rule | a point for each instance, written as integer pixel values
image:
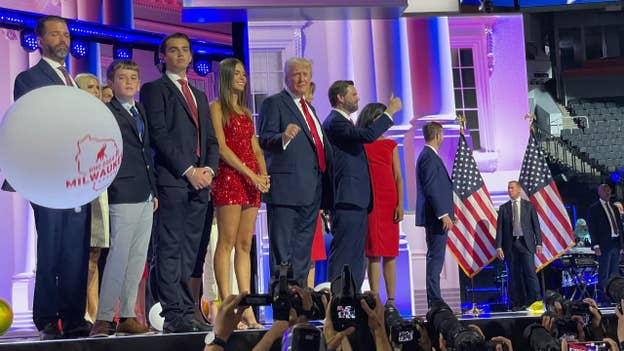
(97, 163)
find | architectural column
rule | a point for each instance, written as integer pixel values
(91, 11)
(430, 74)
(17, 255)
(430, 65)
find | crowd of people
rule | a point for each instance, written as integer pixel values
(186, 160)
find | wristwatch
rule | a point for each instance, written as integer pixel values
(212, 339)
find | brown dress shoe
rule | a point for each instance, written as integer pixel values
(131, 326)
(102, 329)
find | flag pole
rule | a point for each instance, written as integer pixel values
(475, 310)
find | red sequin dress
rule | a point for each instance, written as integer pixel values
(229, 186)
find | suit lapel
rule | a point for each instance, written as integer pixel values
(288, 100)
(49, 72)
(437, 156)
(123, 112)
(178, 95)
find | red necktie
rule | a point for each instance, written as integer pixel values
(191, 104)
(320, 153)
(68, 80)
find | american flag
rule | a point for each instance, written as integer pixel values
(538, 184)
(472, 240)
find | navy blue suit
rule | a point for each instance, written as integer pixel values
(519, 252)
(352, 192)
(135, 179)
(63, 238)
(600, 232)
(182, 209)
(434, 197)
(298, 186)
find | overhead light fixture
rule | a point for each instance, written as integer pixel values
(201, 64)
(122, 51)
(78, 48)
(28, 40)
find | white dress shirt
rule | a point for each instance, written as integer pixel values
(55, 65)
(317, 124)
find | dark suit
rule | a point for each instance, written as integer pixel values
(135, 180)
(600, 233)
(434, 197)
(298, 186)
(63, 238)
(352, 192)
(519, 251)
(182, 210)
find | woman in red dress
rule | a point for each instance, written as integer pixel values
(382, 239)
(241, 177)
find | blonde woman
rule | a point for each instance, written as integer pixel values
(100, 231)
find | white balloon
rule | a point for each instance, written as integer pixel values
(155, 319)
(60, 147)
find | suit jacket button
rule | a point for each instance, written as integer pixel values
(147, 166)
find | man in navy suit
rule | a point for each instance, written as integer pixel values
(434, 206)
(299, 160)
(352, 188)
(186, 159)
(518, 239)
(605, 230)
(63, 236)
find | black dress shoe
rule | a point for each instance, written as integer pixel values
(80, 330)
(200, 326)
(50, 332)
(518, 308)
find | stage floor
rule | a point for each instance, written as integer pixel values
(508, 324)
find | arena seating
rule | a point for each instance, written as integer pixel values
(601, 136)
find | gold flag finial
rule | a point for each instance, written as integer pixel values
(531, 118)
(461, 120)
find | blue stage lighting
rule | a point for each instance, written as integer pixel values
(28, 39)
(122, 51)
(78, 48)
(201, 65)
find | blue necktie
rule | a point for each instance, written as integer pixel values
(139, 122)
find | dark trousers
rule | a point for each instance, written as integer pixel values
(523, 284)
(63, 239)
(198, 270)
(182, 216)
(436, 249)
(608, 263)
(347, 247)
(291, 232)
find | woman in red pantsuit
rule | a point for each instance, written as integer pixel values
(241, 177)
(382, 239)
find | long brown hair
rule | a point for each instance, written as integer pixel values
(227, 67)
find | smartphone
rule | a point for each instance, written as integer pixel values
(588, 346)
(256, 300)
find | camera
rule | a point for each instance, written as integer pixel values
(302, 337)
(540, 339)
(457, 336)
(402, 333)
(284, 299)
(346, 310)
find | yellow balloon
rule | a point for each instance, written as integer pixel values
(6, 316)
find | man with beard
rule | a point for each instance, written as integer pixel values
(352, 187)
(63, 236)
